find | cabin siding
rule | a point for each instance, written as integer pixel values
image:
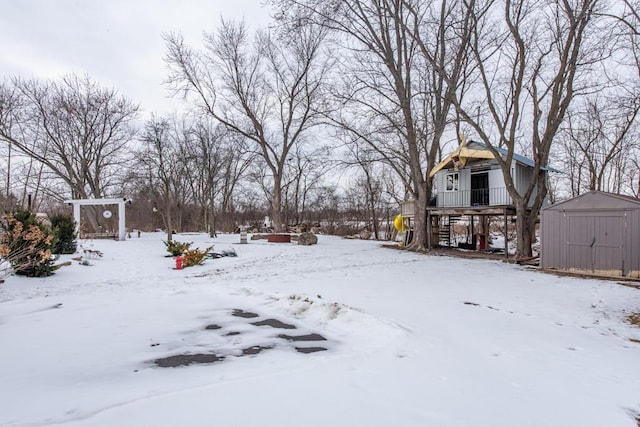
(458, 198)
(521, 177)
(498, 195)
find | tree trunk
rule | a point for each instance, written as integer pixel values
(525, 227)
(419, 241)
(276, 206)
(374, 216)
(168, 220)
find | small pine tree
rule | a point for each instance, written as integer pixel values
(64, 231)
(194, 257)
(177, 248)
(26, 244)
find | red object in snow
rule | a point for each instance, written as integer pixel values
(279, 238)
(482, 244)
(179, 260)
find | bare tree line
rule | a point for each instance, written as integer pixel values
(523, 77)
(373, 90)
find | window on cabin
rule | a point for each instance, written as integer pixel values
(453, 182)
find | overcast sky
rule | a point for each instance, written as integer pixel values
(116, 42)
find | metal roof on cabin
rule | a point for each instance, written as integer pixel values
(597, 200)
(517, 157)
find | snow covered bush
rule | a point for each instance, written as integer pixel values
(26, 244)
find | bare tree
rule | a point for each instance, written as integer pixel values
(392, 98)
(269, 91)
(633, 174)
(163, 168)
(531, 63)
(305, 171)
(368, 185)
(628, 24)
(218, 160)
(77, 129)
(598, 141)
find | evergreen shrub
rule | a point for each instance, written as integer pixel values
(64, 231)
(26, 244)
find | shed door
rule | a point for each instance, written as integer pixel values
(595, 241)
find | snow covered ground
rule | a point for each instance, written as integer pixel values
(411, 340)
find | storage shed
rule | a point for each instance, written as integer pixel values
(594, 233)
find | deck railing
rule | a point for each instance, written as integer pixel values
(474, 198)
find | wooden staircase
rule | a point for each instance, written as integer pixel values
(444, 229)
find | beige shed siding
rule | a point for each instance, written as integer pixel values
(593, 233)
(632, 244)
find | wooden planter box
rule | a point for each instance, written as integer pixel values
(279, 238)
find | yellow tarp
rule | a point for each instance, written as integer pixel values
(460, 156)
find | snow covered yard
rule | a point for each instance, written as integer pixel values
(411, 340)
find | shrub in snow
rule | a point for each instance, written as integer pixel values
(64, 232)
(26, 244)
(176, 248)
(194, 257)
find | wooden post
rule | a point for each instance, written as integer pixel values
(506, 235)
(76, 218)
(429, 229)
(473, 234)
(121, 221)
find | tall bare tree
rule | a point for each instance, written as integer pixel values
(305, 171)
(628, 24)
(369, 182)
(532, 60)
(392, 98)
(218, 159)
(268, 91)
(598, 140)
(74, 127)
(163, 168)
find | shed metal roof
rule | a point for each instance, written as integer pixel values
(597, 200)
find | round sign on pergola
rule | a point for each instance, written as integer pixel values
(106, 214)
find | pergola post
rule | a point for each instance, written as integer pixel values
(121, 226)
(76, 217)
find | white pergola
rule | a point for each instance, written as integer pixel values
(96, 202)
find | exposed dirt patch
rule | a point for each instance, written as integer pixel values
(308, 337)
(634, 319)
(274, 323)
(455, 252)
(234, 346)
(187, 359)
(244, 314)
(250, 351)
(308, 350)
